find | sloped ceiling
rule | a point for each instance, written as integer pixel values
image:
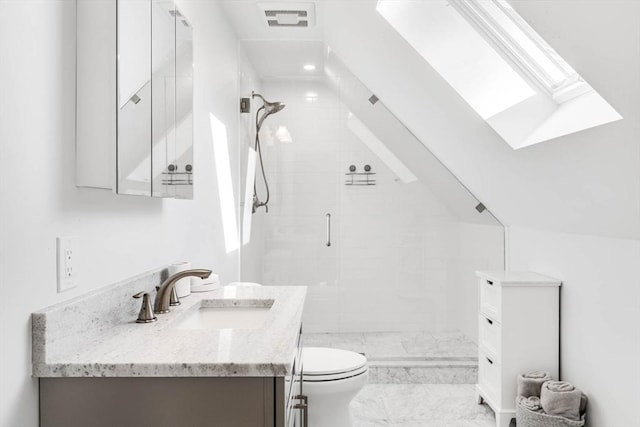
(588, 182)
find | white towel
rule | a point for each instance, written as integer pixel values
(562, 399)
(530, 384)
(531, 403)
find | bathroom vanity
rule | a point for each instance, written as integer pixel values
(230, 357)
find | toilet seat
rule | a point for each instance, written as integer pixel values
(331, 364)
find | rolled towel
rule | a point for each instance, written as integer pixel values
(562, 399)
(531, 403)
(531, 383)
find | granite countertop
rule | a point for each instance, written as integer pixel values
(128, 349)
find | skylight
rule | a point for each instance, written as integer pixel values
(452, 46)
(504, 70)
(517, 40)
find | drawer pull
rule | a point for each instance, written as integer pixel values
(489, 282)
(489, 360)
(489, 321)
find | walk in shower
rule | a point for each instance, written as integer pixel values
(360, 211)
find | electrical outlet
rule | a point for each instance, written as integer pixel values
(67, 272)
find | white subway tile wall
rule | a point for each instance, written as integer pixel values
(394, 246)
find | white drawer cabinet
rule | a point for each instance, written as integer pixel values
(518, 332)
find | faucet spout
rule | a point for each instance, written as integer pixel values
(163, 296)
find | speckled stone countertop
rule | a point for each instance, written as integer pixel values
(70, 340)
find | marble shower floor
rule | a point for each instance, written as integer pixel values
(409, 346)
(419, 405)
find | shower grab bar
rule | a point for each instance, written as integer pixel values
(328, 229)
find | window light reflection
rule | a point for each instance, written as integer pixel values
(248, 196)
(225, 183)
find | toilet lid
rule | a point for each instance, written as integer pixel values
(330, 361)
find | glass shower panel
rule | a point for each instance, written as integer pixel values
(300, 153)
(406, 238)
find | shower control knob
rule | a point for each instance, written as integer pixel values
(352, 168)
(367, 168)
(188, 168)
(172, 168)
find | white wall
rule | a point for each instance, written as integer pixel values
(600, 315)
(479, 247)
(118, 236)
(590, 179)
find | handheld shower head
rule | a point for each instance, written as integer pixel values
(269, 108)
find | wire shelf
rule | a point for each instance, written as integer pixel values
(360, 178)
(177, 178)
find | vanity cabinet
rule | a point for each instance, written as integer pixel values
(134, 97)
(231, 401)
(519, 332)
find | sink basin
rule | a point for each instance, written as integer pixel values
(225, 318)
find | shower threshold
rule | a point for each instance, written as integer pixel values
(417, 357)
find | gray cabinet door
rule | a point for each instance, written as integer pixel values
(157, 402)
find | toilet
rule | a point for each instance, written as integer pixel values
(330, 379)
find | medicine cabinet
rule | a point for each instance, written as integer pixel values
(134, 97)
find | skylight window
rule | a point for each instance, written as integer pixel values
(516, 39)
(502, 68)
(453, 47)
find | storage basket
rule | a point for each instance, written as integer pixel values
(528, 418)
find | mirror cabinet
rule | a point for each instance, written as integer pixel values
(134, 97)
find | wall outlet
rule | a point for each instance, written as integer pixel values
(67, 271)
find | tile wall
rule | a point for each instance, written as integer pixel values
(393, 244)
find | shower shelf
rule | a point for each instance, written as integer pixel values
(177, 178)
(359, 178)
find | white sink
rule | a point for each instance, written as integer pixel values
(225, 318)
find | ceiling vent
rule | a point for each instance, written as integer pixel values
(289, 15)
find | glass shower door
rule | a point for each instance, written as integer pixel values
(298, 234)
(406, 236)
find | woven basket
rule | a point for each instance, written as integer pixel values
(528, 418)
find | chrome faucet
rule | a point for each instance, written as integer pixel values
(163, 296)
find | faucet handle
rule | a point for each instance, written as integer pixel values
(173, 300)
(146, 314)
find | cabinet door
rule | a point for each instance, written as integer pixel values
(155, 100)
(183, 152)
(157, 402)
(163, 83)
(134, 104)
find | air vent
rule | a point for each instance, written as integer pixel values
(288, 15)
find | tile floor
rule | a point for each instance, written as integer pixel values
(419, 405)
(412, 405)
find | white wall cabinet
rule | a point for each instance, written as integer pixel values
(519, 332)
(134, 97)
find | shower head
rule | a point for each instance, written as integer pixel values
(269, 107)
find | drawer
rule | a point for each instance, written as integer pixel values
(490, 298)
(489, 376)
(489, 337)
